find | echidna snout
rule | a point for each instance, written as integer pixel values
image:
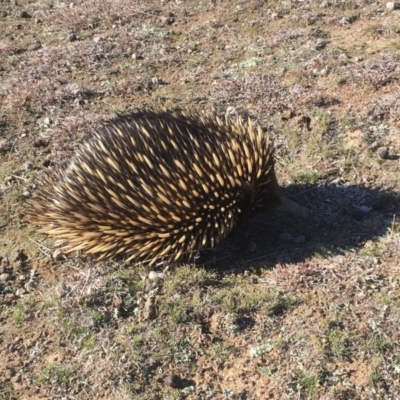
(160, 186)
(291, 207)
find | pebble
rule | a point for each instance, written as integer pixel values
(383, 153)
(28, 166)
(4, 14)
(47, 122)
(4, 277)
(72, 37)
(155, 276)
(26, 194)
(167, 20)
(24, 14)
(231, 110)
(98, 39)
(391, 5)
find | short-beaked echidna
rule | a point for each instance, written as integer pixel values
(160, 185)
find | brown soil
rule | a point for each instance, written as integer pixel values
(283, 308)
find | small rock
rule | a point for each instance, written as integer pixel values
(4, 277)
(72, 4)
(155, 276)
(24, 14)
(25, 195)
(231, 110)
(72, 37)
(28, 166)
(47, 122)
(167, 20)
(173, 381)
(136, 56)
(391, 5)
(4, 14)
(383, 153)
(98, 39)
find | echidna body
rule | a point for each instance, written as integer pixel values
(160, 185)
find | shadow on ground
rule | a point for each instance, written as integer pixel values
(343, 218)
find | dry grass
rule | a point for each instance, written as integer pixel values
(283, 308)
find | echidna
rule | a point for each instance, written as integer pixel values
(160, 185)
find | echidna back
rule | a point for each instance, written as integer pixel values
(158, 185)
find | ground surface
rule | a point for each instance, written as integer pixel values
(283, 308)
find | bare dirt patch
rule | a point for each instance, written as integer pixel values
(283, 308)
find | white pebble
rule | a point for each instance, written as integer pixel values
(390, 5)
(155, 276)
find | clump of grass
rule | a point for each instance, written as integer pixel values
(176, 309)
(241, 300)
(21, 311)
(305, 382)
(395, 46)
(307, 177)
(378, 343)
(338, 343)
(56, 374)
(185, 277)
